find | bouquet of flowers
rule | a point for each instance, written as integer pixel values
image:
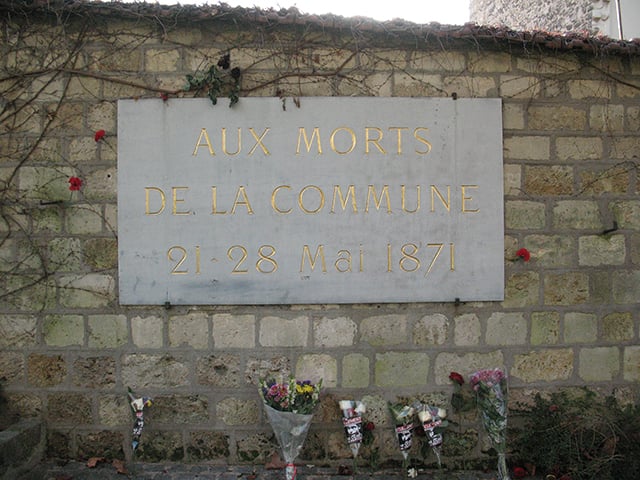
(403, 418)
(289, 407)
(433, 421)
(352, 420)
(491, 395)
(137, 406)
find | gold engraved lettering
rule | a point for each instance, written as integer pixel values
(302, 135)
(439, 246)
(306, 254)
(452, 262)
(245, 201)
(371, 191)
(147, 208)
(353, 140)
(343, 262)
(399, 138)
(273, 199)
(179, 261)
(465, 199)
(266, 263)
(389, 264)
(361, 258)
(224, 142)
(259, 141)
(375, 141)
(403, 199)
(436, 193)
(177, 200)
(203, 136)
(409, 262)
(351, 192)
(320, 203)
(243, 256)
(214, 202)
(422, 140)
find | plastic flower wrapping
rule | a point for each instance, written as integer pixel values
(491, 396)
(289, 408)
(137, 406)
(352, 412)
(403, 418)
(433, 421)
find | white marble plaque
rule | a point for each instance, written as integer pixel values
(329, 200)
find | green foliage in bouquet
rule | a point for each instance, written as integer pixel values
(580, 435)
(292, 396)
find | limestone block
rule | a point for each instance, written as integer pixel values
(141, 370)
(558, 118)
(579, 148)
(465, 364)
(631, 363)
(11, 367)
(545, 328)
(107, 331)
(580, 327)
(284, 332)
(519, 86)
(606, 118)
(524, 215)
(100, 253)
(334, 332)
(605, 181)
(576, 214)
(147, 332)
(72, 409)
(255, 448)
(431, 330)
(234, 331)
(401, 369)
(179, 409)
(94, 372)
(236, 411)
(512, 179)
(599, 364)
(84, 219)
(625, 286)
(355, 371)
(624, 148)
(104, 443)
(627, 213)
(222, 370)
(522, 290)
(467, 329)
(617, 327)
(384, 329)
(191, 330)
(548, 180)
(552, 251)
(543, 365)
(46, 370)
(590, 89)
(160, 446)
(597, 250)
(571, 288)
(17, 331)
(161, 59)
(114, 410)
(206, 446)
(318, 366)
(506, 329)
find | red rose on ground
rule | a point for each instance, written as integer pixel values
(75, 183)
(524, 254)
(99, 135)
(456, 377)
(519, 472)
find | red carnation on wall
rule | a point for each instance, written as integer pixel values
(99, 135)
(75, 183)
(456, 378)
(523, 254)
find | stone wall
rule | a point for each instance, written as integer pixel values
(69, 350)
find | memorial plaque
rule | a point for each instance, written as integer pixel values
(321, 200)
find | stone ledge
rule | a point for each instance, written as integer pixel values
(21, 447)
